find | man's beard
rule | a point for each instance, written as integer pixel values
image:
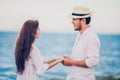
(78, 28)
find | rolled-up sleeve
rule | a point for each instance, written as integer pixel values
(38, 61)
(93, 50)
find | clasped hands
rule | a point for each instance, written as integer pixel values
(66, 61)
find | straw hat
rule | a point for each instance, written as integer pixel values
(80, 12)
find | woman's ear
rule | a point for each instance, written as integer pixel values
(33, 34)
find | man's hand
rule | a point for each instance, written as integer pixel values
(67, 61)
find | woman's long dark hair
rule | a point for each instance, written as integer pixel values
(24, 43)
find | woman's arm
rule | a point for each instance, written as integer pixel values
(54, 62)
(50, 61)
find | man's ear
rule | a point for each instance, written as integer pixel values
(83, 20)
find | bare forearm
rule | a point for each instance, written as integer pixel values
(54, 62)
(50, 61)
(79, 63)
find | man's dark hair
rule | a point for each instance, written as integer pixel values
(88, 19)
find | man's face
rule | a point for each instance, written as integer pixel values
(77, 24)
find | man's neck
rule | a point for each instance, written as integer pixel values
(83, 28)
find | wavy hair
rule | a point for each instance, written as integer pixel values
(24, 43)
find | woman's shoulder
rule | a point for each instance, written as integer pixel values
(35, 49)
(35, 52)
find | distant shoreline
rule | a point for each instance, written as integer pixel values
(63, 33)
(110, 77)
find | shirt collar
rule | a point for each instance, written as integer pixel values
(86, 31)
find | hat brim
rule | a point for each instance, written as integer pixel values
(72, 16)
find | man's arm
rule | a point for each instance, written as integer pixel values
(69, 62)
(92, 58)
(80, 63)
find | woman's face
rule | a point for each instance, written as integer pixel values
(37, 33)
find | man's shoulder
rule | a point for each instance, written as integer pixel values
(92, 32)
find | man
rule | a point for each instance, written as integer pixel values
(85, 53)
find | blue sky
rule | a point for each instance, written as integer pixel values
(52, 14)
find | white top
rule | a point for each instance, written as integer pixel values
(86, 47)
(33, 66)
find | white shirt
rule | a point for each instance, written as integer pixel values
(86, 47)
(33, 66)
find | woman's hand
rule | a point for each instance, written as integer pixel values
(60, 59)
(55, 62)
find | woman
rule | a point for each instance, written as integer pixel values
(28, 59)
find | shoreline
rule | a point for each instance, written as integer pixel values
(109, 77)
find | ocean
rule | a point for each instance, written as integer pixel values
(54, 45)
